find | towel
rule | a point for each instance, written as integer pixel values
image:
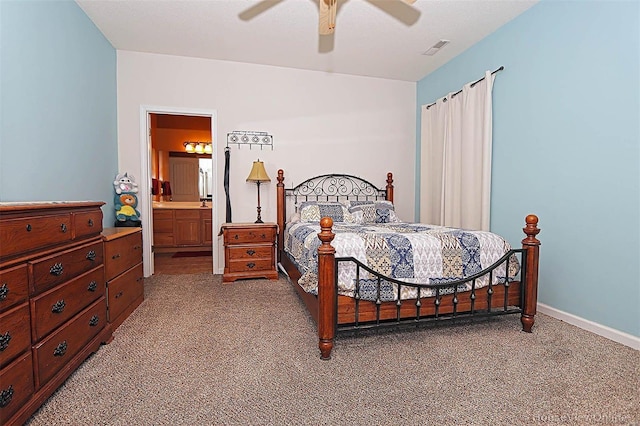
(155, 187)
(166, 188)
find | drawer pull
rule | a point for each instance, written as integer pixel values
(94, 321)
(58, 307)
(4, 291)
(92, 286)
(63, 227)
(251, 252)
(119, 295)
(4, 341)
(90, 223)
(251, 265)
(235, 237)
(91, 255)
(61, 349)
(115, 256)
(264, 236)
(29, 227)
(136, 247)
(6, 396)
(56, 269)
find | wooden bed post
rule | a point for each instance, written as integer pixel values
(390, 187)
(532, 244)
(326, 289)
(282, 213)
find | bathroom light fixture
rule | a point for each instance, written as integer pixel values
(198, 147)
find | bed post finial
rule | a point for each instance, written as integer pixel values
(390, 187)
(326, 289)
(532, 245)
(282, 212)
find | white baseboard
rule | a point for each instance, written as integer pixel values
(599, 329)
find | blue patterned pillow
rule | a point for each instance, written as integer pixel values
(374, 211)
(313, 211)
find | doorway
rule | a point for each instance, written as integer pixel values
(164, 132)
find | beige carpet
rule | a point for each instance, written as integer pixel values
(197, 352)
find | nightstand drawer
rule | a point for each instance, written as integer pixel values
(244, 235)
(251, 265)
(250, 252)
(122, 254)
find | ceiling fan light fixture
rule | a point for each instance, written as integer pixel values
(436, 47)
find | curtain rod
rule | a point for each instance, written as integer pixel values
(472, 84)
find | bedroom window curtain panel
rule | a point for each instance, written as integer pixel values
(456, 139)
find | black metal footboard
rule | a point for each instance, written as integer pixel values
(481, 295)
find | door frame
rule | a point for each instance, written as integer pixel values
(145, 201)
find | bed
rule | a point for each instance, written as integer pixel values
(357, 266)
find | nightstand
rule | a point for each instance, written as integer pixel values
(249, 251)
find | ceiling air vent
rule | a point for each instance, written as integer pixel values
(436, 47)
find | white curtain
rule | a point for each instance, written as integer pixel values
(455, 182)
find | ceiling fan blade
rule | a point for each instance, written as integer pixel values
(327, 13)
(398, 9)
(257, 9)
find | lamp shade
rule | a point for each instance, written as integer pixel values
(258, 173)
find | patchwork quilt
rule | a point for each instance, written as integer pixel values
(409, 252)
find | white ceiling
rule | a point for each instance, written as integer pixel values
(367, 40)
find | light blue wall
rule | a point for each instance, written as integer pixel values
(566, 147)
(58, 105)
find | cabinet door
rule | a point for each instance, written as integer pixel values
(187, 228)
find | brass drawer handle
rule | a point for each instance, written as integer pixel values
(251, 265)
(251, 252)
(91, 255)
(58, 307)
(92, 286)
(6, 396)
(4, 341)
(61, 349)
(94, 321)
(4, 291)
(63, 227)
(57, 269)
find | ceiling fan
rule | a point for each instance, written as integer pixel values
(328, 10)
(398, 9)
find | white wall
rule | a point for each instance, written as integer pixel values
(320, 123)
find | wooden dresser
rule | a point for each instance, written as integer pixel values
(249, 251)
(53, 309)
(123, 272)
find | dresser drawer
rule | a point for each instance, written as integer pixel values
(122, 253)
(243, 236)
(21, 235)
(14, 286)
(16, 386)
(250, 252)
(52, 308)
(124, 290)
(251, 265)
(15, 337)
(87, 223)
(63, 266)
(59, 348)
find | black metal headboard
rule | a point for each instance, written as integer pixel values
(335, 187)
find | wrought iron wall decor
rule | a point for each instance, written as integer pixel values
(243, 137)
